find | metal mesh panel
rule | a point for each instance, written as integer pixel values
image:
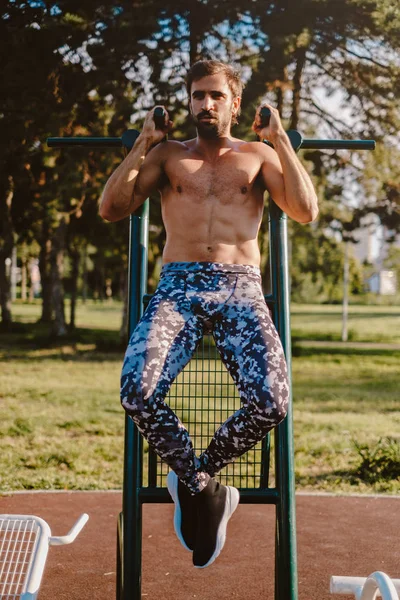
(204, 396)
(17, 544)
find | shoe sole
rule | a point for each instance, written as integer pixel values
(231, 503)
(172, 485)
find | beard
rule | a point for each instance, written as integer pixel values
(213, 129)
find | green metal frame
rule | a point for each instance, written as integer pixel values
(282, 494)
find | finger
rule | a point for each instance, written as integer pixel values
(257, 123)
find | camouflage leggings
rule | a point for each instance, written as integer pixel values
(191, 298)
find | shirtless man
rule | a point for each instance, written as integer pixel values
(212, 192)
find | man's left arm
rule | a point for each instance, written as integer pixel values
(285, 177)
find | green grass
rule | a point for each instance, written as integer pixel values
(342, 399)
(365, 323)
(96, 315)
(61, 425)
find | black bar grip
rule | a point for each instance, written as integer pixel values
(265, 116)
(159, 117)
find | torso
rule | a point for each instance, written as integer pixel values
(212, 211)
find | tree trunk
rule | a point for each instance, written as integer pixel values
(6, 249)
(84, 274)
(123, 332)
(45, 279)
(5, 295)
(345, 304)
(59, 327)
(99, 281)
(34, 279)
(24, 276)
(75, 259)
(13, 274)
(301, 61)
(279, 100)
(195, 29)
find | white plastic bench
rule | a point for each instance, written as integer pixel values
(24, 544)
(367, 588)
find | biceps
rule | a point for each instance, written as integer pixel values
(274, 183)
(148, 180)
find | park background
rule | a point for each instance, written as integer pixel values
(72, 68)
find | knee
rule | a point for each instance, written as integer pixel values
(270, 412)
(136, 396)
(277, 411)
(271, 405)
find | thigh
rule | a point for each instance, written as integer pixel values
(250, 347)
(163, 341)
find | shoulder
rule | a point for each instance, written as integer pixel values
(262, 150)
(168, 149)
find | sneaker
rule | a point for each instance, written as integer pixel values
(215, 506)
(185, 516)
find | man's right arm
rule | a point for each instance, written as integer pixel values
(125, 190)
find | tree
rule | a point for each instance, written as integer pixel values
(47, 92)
(87, 68)
(32, 99)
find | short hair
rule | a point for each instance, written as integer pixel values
(203, 68)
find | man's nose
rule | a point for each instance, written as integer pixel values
(207, 102)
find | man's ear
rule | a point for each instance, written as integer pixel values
(236, 106)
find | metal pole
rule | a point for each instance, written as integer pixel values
(345, 301)
(286, 586)
(133, 447)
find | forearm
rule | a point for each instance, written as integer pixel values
(299, 191)
(117, 200)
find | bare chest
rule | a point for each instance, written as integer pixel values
(229, 179)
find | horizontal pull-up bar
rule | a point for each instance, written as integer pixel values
(95, 142)
(128, 139)
(299, 143)
(338, 144)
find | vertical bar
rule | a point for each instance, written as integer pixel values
(133, 447)
(286, 587)
(265, 462)
(152, 469)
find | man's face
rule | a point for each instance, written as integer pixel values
(212, 106)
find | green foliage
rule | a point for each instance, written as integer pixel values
(316, 266)
(392, 262)
(380, 461)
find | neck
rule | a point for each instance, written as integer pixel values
(213, 146)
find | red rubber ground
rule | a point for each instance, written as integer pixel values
(336, 536)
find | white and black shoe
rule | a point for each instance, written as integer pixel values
(185, 516)
(215, 506)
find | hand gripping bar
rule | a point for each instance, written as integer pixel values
(128, 138)
(126, 141)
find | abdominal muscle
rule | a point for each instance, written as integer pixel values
(209, 231)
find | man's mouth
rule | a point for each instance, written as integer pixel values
(206, 118)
